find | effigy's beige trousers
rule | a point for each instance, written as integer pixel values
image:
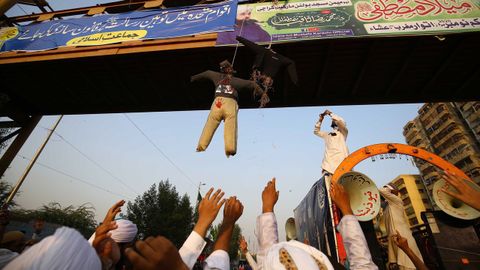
(225, 109)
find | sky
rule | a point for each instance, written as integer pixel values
(100, 159)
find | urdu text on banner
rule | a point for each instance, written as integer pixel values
(318, 19)
(114, 28)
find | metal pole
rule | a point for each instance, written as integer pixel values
(199, 185)
(332, 209)
(32, 162)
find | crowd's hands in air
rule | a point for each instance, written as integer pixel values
(242, 244)
(465, 189)
(269, 196)
(107, 249)
(402, 243)
(232, 211)
(208, 210)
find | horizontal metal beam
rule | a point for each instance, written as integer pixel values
(9, 124)
(78, 11)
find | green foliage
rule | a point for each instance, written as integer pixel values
(5, 189)
(4, 132)
(234, 246)
(161, 211)
(81, 218)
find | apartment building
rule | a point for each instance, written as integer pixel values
(450, 130)
(414, 196)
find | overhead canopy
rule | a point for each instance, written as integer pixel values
(115, 78)
(154, 75)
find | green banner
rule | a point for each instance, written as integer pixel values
(300, 20)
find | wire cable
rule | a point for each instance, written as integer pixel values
(159, 150)
(96, 163)
(78, 179)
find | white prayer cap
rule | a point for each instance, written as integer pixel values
(389, 186)
(294, 253)
(66, 249)
(125, 232)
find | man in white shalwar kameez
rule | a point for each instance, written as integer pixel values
(336, 149)
(395, 220)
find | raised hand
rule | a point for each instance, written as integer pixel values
(232, 211)
(400, 241)
(269, 196)
(113, 211)
(243, 245)
(465, 187)
(208, 210)
(155, 253)
(340, 198)
(101, 233)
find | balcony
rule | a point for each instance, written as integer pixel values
(453, 138)
(443, 126)
(455, 134)
(435, 174)
(454, 143)
(446, 133)
(427, 110)
(438, 119)
(454, 158)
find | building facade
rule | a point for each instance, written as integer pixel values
(414, 196)
(451, 131)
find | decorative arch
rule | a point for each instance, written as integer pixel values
(393, 148)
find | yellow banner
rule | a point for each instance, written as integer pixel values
(107, 38)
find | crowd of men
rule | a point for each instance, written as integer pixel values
(115, 244)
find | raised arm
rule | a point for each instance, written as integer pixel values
(318, 125)
(390, 197)
(219, 258)
(267, 229)
(342, 125)
(207, 212)
(242, 243)
(402, 243)
(353, 238)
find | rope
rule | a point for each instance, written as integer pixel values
(238, 43)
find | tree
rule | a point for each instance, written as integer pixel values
(161, 211)
(5, 189)
(81, 218)
(4, 132)
(234, 246)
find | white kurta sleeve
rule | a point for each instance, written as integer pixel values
(342, 125)
(355, 243)
(390, 197)
(267, 235)
(191, 249)
(251, 261)
(218, 260)
(318, 132)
